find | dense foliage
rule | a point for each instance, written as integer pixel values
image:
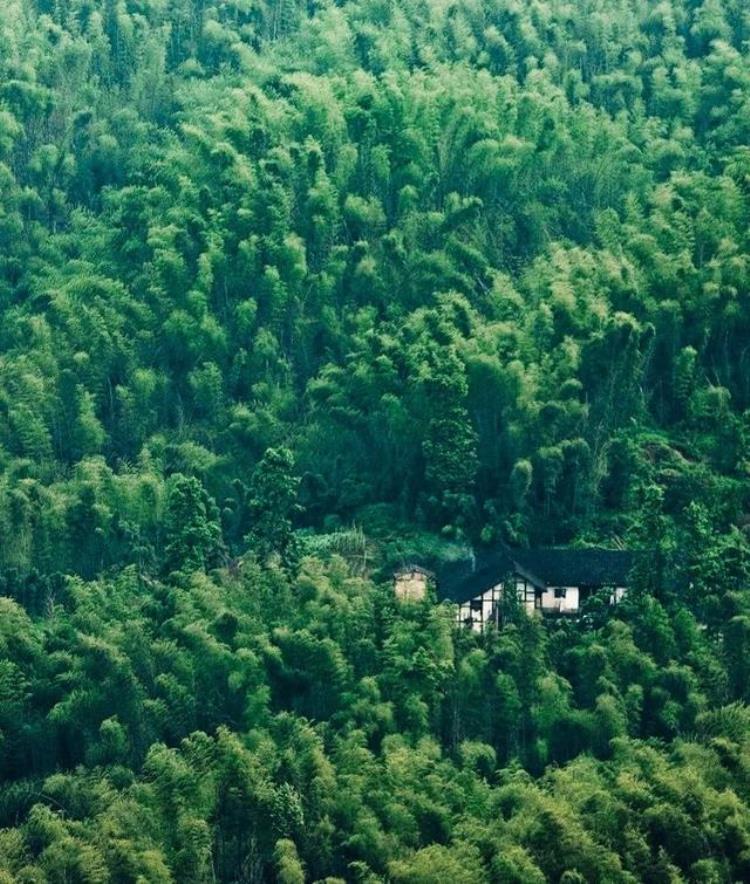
(455, 273)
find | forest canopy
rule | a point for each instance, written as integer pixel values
(293, 292)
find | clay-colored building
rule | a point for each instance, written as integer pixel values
(411, 583)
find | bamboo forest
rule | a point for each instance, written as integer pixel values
(374, 441)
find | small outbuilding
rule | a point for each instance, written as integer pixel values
(410, 582)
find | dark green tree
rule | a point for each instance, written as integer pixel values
(272, 502)
(192, 532)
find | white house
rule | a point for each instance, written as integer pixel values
(545, 581)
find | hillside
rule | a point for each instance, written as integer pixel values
(293, 292)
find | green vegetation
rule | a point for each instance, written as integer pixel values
(291, 290)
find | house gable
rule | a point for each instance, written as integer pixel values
(410, 583)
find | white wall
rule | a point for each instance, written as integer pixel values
(566, 605)
(486, 615)
(528, 603)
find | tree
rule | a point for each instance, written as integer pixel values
(192, 533)
(273, 506)
(449, 447)
(289, 868)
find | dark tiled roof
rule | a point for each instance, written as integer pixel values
(462, 580)
(578, 567)
(413, 568)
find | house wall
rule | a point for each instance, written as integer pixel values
(411, 586)
(567, 605)
(526, 594)
(482, 611)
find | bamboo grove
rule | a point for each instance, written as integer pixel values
(290, 291)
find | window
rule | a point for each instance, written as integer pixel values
(560, 592)
(475, 604)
